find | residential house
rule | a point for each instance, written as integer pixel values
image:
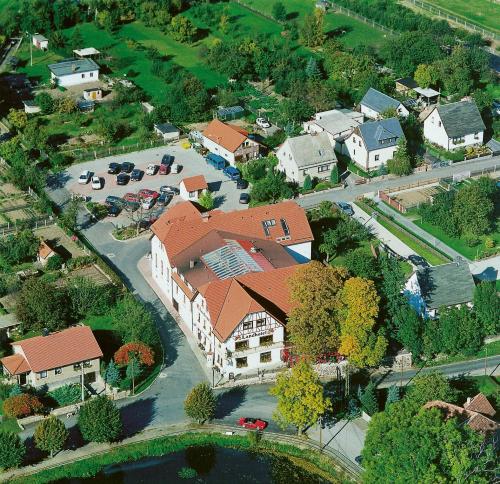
(193, 187)
(372, 144)
(229, 141)
(454, 125)
(432, 288)
(71, 72)
(375, 103)
(167, 131)
(225, 274)
(40, 42)
(54, 360)
(94, 94)
(477, 413)
(310, 154)
(405, 85)
(45, 252)
(337, 124)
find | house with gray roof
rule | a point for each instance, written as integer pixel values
(375, 103)
(372, 144)
(71, 72)
(310, 154)
(454, 125)
(431, 288)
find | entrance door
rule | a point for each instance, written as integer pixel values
(22, 379)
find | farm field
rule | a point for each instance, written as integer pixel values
(485, 13)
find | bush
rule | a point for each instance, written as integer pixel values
(12, 450)
(5, 389)
(200, 403)
(99, 420)
(144, 353)
(54, 263)
(67, 394)
(307, 183)
(23, 405)
(187, 473)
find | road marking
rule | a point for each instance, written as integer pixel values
(110, 255)
(163, 374)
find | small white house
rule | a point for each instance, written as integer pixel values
(71, 72)
(30, 107)
(310, 154)
(40, 42)
(167, 131)
(94, 94)
(454, 125)
(375, 103)
(193, 187)
(373, 143)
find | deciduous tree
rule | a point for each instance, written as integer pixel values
(206, 200)
(311, 33)
(426, 75)
(18, 118)
(182, 29)
(12, 450)
(50, 435)
(300, 396)
(279, 11)
(99, 420)
(487, 307)
(400, 164)
(141, 351)
(200, 403)
(22, 405)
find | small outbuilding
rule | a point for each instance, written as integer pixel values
(405, 84)
(94, 94)
(167, 131)
(45, 252)
(193, 187)
(40, 42)
(87, 52)
(31, 107)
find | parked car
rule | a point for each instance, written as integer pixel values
(164, 169)
(346, 208)
(244, 198)
(127, 167)
(112, 200)
(167, 160)
(84, 177)
(148, 203)
(231, 172)
(114, 210)
(169, 189)
(96, 183)
(136, 174)
(147, 193)
(164, 198)
(151, 169)
(262, 123)
(122, 179)
(252, 423)
(241, 184)
(175, 168)
(131, 197)
(114, 168)
(131, 206)
(216, 161)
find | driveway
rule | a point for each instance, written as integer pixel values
(225, 191)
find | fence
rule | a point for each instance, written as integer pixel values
(393, 203)
(445, 14)
(365, 20)
(34, 223)
(411, 185)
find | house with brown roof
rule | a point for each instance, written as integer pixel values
(225, 274)
(54, 360)
(193, 187)
(45, 252)
(229, 141)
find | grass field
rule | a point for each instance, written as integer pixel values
(485, 13)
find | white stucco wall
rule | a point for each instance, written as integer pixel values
(77, 78)
(218, 150)
(300, 252)
(191, 196)
(356, 150)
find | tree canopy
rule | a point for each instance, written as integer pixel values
(200, 403)
(99, 420)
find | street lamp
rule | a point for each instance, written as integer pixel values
(30, 40)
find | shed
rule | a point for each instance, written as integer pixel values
(148, 108)
(167, 131)
(405, 84)
(8, 322)
(31, 107)
(427, 95)
(87, 52)
(232, 112)
(193, 187)
(92, 94)
(45, 252)
(494, 146)
(40, 42)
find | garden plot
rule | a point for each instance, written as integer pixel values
(15, 205)
(57, 238)
(414, 198)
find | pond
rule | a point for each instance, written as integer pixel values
(206, 464)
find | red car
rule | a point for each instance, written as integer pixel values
(146, 193)
(131, 197)
(252, 423)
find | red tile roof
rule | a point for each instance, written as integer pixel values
(15, 364)
(45, 250)
(195, 183)
(480, 404)
(63, 348)
(184, 287)
(225, 135)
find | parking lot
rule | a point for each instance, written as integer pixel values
(225, 192)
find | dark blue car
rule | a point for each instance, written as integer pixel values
(216, 161)
(232, 173)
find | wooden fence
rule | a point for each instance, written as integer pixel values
(393, 203)
(409, 186)
(361, 18)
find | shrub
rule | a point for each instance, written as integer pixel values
(5, 389)
(489, 243)
(144, 353)
(67, 394)
(99, 420)
(22, 405)
(200, 403)
(54, 263)
(12, 450)
(307, 183)
(254, 438)
(187, 473)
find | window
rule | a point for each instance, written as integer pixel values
(58, 371)
(266, 340)
(87, 364)
(248, 325)
(265, 357)
(241, 362)
(359, 143)
(192, 194)
(241, 345)
(439, 123)
(476, 135)
(42, 374)
(377, 157)
(156, 260)
(354, 139)
(323, 168)
(260, 323)
(354, 152)
(91, 74)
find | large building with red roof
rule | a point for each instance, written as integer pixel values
(225, 274)
(55, 359)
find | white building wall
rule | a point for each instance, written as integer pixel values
(300, 252)
(286, 163)
(76, 78)
(218, 150)
(368, 161)
(160, 267)
(372, 114)
(190, 196)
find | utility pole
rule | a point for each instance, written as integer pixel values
(485, 359)
(83, 388)
(320, 433)
(30, 40)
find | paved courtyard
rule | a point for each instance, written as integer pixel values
(224, 190)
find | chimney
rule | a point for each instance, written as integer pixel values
(253, 250)
(205, 216)
(191, 264)
(469, 399)
(73, 67)
(45, 332)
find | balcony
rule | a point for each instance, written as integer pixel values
(257, 349)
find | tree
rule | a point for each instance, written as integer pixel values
(50, 435)
(426, 75)
(272, 188)
(361, 263)
(41, 305)
(112, 375)
(459, 331)
(279, 11)
(200, 403)
(301, 401)
(45, 102)
(18, 118)
(359, 313)
(69, 216)
(87, 298)
(99, 420)
(134, 370)
(66, 105)
(311, 33)
(206, 200)
(182, 29)
(392, 396)
(19, 247)
(307, 183)
(22, 405)
(35, 135)
(313, 322)
(54, 263)
(312, 69)
(410, 328)
(368, 399)
(76, 40)
(431, 386)
(334, 175)
(487, 307)
(12, 450)
(142, 352)
(400, 164)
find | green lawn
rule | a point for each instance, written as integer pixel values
(491, 349)
(485, 13)
(38, 71)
